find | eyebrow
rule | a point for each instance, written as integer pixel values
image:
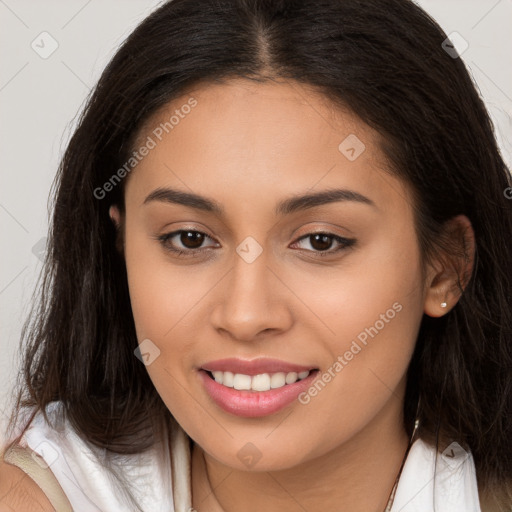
(285, 207)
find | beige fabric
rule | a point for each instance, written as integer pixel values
(181, 468)
(36, 468)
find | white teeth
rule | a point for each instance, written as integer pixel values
(242, 381)
(261, 382)
(278, 380)
(291, 378)
(227, 380)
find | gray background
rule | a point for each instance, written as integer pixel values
(40, 97)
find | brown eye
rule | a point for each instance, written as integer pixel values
(322, 243)
(185, 242)
(192, 239)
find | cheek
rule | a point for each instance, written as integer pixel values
(162, 293)
(367, 315)
(378, 286)
(168, 301)
(162, 297)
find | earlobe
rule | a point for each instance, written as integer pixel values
(448, 280)
(440, 300)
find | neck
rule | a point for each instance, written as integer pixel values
(357, 476)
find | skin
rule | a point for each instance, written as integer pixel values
(248, 146)
(19, 492)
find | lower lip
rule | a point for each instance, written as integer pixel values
(254, 404)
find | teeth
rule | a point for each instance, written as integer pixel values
(278, 380)
(227, 379)
(261, 382)
(242, 381)
(291, 378)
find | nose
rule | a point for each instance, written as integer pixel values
(252, 301)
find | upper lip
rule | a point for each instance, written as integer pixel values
(254, 366)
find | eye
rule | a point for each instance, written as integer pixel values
(184, 241)
(322, 243)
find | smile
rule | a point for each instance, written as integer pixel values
(254, 388)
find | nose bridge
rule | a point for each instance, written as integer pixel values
(250, 302)
(248, 280)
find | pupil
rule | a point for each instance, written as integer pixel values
(192, 239)
(321, 242)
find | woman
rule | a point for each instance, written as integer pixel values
(277, 276)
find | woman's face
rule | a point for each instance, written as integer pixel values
(254, 282)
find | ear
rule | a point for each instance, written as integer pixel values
(115, 216)
(450, 274)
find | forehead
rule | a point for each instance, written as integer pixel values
(258, 138)
(301, 108)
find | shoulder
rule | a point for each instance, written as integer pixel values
(19, 492)
(26, 481)
(89, 477)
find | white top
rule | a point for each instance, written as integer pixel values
(144, 482)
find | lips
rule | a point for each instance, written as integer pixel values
(255, 366)
(246, 401)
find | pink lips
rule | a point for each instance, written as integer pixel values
(253, 404)
(254, 367)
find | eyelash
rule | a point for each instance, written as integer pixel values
(345, 243)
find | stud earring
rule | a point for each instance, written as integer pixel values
(443, 304)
